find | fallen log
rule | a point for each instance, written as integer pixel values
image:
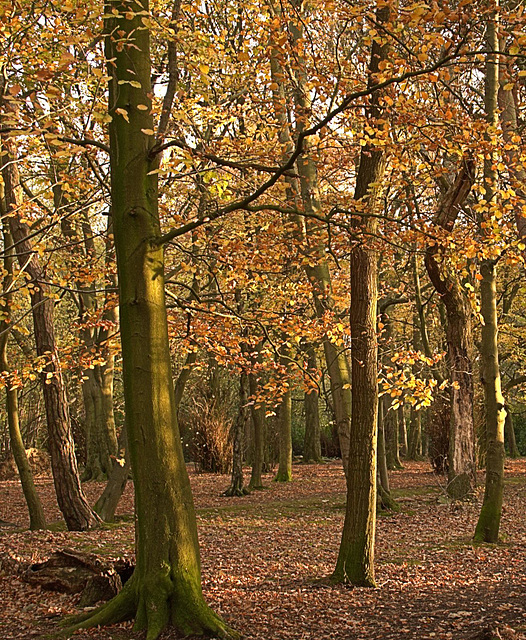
(70, 571)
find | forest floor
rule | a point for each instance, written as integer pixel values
(263, 555)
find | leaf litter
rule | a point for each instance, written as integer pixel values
(264, 556)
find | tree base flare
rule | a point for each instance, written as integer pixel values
(155, 608)
(237, 492)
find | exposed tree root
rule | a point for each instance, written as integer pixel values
(155, 605)
(235, 492)
(386, 501)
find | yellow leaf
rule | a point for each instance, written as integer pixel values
(142, 107)
(123, 113)
(148, 132)
(204, 69)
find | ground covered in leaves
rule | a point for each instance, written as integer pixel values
(263, 555)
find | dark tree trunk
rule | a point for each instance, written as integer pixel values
(461, 459)
(258, 448)
(390, 422)
(402, 431)
(510, 436)
(383, 474)
(355, 562)
(284, 473)
(237, 487)
(415, 435)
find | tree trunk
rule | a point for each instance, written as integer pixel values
(306, 190)
(37, 518)
(510, 436)
(461, 459)
(312, 443)
(165, 588)
(488, 525)
(71, 499)
(390, 424)
(237, 487)
(258, 449)
(355, 562)
(415, 435)
(106, 505)
(402, 431)
(284, 473)
(383, 474)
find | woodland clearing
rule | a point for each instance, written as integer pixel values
(263, 556)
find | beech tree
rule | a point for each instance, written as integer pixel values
(165, 588)
(355, 562)
(71, 499)
(487, 529)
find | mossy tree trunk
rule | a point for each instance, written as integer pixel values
(70, 496)
(488, 524)
(355, 563)
(165, 588)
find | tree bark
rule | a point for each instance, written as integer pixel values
(355, 562)
(258, 449)
(402, 431)
(461, 459)
(237, 487)
(510, 436)
(284, 473)
(312, 443)
(487, 529)
(37, 518)
(107, 503)
(71, 499)
(165, 588)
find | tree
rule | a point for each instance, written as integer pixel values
(37, 518)
(71, 499)
(355, 562)
(165, 588)
(461, 459)
(488, 524)
(312, 444)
